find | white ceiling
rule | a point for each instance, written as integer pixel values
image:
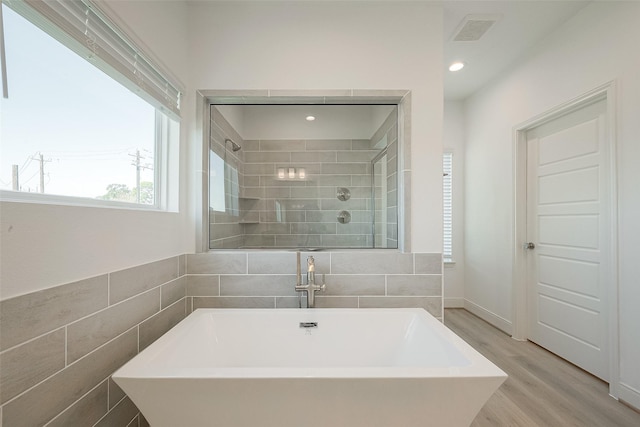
(523, 24)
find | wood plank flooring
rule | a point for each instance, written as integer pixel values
(542, 389)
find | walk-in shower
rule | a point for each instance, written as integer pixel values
(327, 183)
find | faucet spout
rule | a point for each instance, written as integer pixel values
(311, 287)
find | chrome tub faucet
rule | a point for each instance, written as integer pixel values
(311, 287)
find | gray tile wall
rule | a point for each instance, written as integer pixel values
(265, 211)
(355, 279)
(59, 346)
(303, 213)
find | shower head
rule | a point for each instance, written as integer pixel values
(234, 146)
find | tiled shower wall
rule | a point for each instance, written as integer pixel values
(279, 212)
(59, 346)
(303, 213)
(355, 279)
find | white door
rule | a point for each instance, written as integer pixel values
(568, 217)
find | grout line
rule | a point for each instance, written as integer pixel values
(110, 410)
(109, 305)
(71, 364)
(131, 422)
(80, 398)
(66, 346)
(164, 309)
(113, 305)
(33, 339)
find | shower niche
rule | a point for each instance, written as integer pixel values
(287, 176)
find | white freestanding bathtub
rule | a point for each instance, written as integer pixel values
(309, 368)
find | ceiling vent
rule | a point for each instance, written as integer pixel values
(473, 27)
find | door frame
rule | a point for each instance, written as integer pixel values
(519, 303)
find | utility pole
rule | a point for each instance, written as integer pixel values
(139, 166)
(42, 161)
(15, 184)
(41, 173)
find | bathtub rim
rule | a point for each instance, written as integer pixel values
(139, 368)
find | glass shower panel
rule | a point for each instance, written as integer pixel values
(379, 198)
(291, 189)
(216, 182)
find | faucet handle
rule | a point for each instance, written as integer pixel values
(324, 285)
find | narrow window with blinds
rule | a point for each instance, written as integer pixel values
(87, 114)
(447, 188)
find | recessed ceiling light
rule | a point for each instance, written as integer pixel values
(456, 66)
(310, 118)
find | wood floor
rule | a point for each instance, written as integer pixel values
(542, 389)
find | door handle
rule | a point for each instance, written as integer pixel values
(529, 245)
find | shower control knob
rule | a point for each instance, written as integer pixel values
(344, 217)
(343, 194)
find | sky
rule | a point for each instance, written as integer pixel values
(85, 124)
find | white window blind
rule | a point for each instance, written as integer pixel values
(447, 180)
(88, 31)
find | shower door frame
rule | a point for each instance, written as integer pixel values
(381, 154)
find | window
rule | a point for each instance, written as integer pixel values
(447, 181)
(216, 182)
(72, 124)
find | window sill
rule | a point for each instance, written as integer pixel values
(51, 199)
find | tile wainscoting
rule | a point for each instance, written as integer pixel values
(354, 279)
(59, 346)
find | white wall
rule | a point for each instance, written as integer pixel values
(332, 122)
(336, 45)
(308, 45)
(453, 141)
(600, 44)
(47, 245)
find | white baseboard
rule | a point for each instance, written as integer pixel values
(629, 395)
(490, 317)
(453, 302)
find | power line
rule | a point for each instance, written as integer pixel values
(26, 163)
(30, 178)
